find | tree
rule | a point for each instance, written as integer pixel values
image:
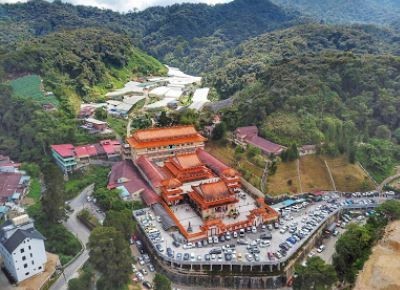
(120, 220)
(111, 256)
(352, 249)
(100, 114)
(219, 131)
(83, 282)
(396, 134)
(383, 132)
(161, 282)
(164, 120)
(390, 209)
(316, 275)
(53, 196)
(253, 151)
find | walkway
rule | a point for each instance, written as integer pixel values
(82, 233)
(387, 180)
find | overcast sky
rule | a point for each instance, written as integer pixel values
(125, 5)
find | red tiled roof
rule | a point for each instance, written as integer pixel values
(155, 137)
(9, 183)
(123, 170)
(64, 150)
(131, 179)
(154, 175)
(81, 151)
(213, 191)
(171, 183)
(250, 134)
(230, 172)
(216, 165)
(187, 160)
(150, 197)
(248, 131)
(265, 145)
(110, 146)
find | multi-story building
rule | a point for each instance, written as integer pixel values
(69, 157)
(64, 156)
(22, 248)
(161, 143)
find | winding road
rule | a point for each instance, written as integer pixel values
(82, 233)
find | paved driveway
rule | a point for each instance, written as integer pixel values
(82, 233)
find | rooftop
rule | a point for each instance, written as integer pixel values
(9, 184)
(164, 136)
(64, 150)
(186, 161)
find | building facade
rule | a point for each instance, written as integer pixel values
(22, 248)
(161, 143)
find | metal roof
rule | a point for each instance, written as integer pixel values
(19, 236)
(166, 220)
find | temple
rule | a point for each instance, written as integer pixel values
(199, 193)
(213, 200)
(161, 143)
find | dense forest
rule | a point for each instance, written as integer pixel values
(191, 36)
(81, 61)
(313, 84)
(382, 12)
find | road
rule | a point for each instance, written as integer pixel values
(82, 233)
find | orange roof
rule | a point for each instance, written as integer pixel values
(171, 183)
(213, 191)
(154, 137)
(229, 172)
(187, 160)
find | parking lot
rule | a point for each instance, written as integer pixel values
(268, 243)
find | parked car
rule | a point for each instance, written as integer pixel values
(147, 284)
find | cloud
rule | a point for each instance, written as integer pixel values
(126, 5)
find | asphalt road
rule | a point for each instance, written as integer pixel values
(82, 233)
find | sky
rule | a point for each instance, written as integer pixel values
(126, 5)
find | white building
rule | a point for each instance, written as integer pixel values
(22, 248)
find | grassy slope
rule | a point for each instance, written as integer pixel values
(30, 86)
(314, 175)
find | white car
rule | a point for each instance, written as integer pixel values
(253, 229)
(321, 249)
(235, 235)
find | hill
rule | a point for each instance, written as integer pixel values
(316, 83)
(382, 12)
(241, 66)
(191, 36)
(81, 62)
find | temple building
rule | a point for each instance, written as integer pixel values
(161, 143)
(213, 200)
(187, 167)
(200, 195)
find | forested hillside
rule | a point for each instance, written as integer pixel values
(83, 62)
(241, 66)
(382, 12)
(192, 36)
(316, 83)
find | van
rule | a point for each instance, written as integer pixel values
(215, 251)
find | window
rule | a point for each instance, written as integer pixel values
(33, 262)
(25, 265)
(40, 267)
(31, 255)
(23, 258)
(29, 247)
(27, 273)
(22, 250)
